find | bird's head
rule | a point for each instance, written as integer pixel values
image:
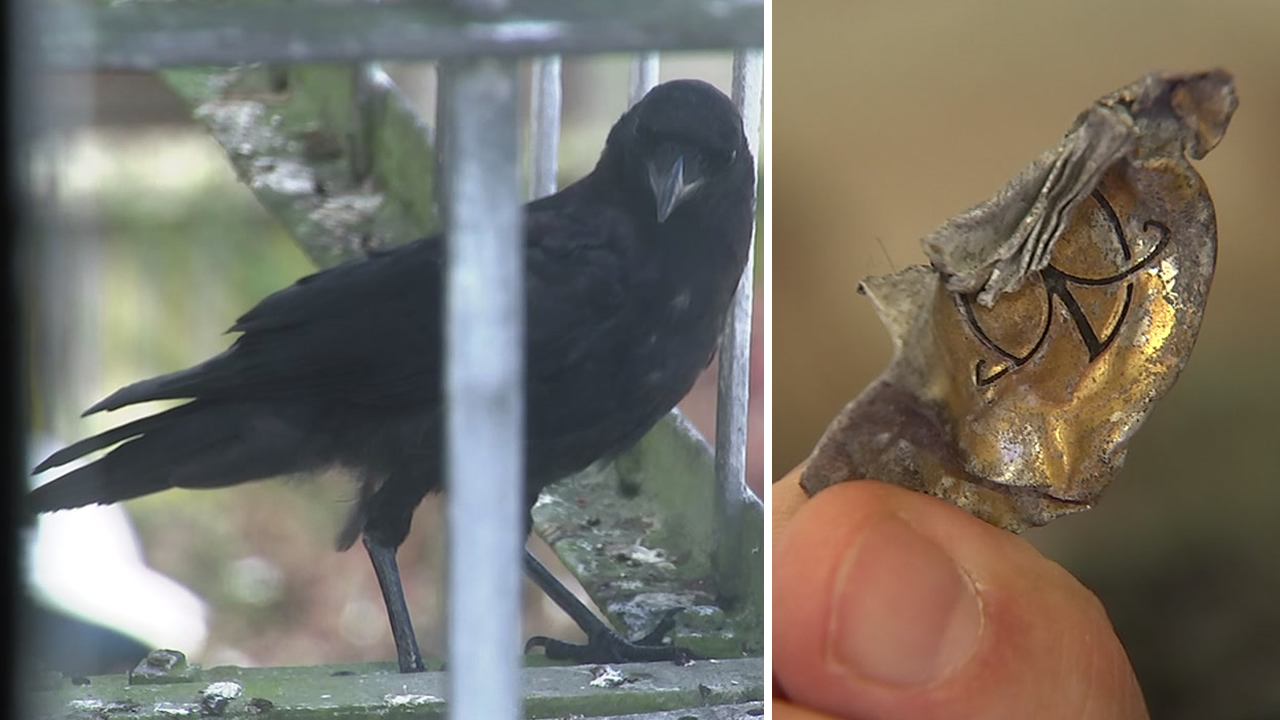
(682, 137)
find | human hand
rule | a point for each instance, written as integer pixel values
(889, 604)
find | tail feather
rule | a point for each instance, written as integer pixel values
(192, 446)
(90, 485)
(78, 450)
(173, 386)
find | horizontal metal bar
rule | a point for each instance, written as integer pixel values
(705, 690)
(147, 36)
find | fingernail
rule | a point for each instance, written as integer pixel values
(904, 614)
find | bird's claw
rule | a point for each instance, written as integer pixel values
(607, 646)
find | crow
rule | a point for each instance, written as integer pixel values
(630, 273)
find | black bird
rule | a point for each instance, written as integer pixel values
(630, 273)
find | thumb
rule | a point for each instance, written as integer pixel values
(888, 603)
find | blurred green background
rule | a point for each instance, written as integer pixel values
(888, 118)
(156, 250)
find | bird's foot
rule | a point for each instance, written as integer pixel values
(606, 646)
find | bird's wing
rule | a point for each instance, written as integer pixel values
(371, 332)
(365, 332)
(580, 270)
(587, 283)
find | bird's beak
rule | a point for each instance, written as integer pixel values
(670, 185)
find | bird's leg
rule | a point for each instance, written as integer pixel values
(603, 644)
(383, 558)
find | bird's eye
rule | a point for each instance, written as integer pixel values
(721, 159)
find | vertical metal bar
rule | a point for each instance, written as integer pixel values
(544, 125)
(24, 103)
(444, 138)
(484, 375)
(733, 393)
(644, 75)
(365, 121)
(66, 337)
(53, 343)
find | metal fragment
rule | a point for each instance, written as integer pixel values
(1052, 318)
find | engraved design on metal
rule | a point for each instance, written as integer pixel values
(1057, 283)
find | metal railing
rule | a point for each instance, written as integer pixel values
(484, 383)
(479, 134)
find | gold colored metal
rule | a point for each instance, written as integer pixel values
(1052, 318)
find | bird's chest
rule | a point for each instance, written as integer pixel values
(668, 333)
(676, 334)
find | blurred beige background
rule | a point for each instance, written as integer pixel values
(891, 117)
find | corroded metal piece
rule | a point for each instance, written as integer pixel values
(1052, 318)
